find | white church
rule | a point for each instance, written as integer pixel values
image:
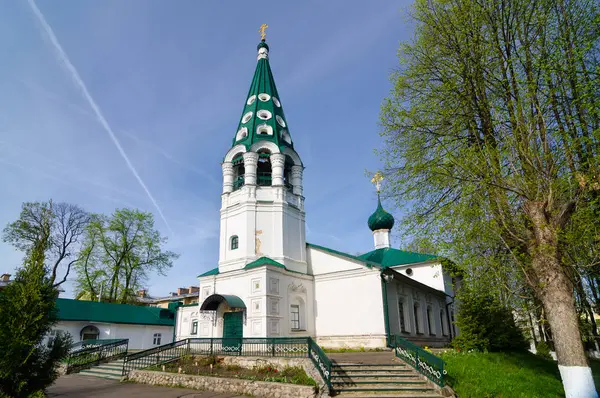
(271, 283)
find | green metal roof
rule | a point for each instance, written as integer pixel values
(264, 261)
(380, 219)
(93, 311)
(262, 108)
(211, 303)
(389, 257)
(214, 271)
(368, 263)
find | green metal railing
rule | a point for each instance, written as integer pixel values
(320, 360)
(423, 361)
(238, 183)
(94, 352)
(294, 347)
(263, 179)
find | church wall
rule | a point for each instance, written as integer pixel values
(349, 308)
(407, 295)
(321, 262)
(428, 274)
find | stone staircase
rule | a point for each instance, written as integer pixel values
(380, 381)
(110, 370)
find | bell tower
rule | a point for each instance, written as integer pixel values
(262, 207)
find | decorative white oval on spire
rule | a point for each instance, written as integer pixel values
(263, 53)
(264, 97)
(276, 102)
(264, 114)
(241, 134)
(246, 117)
(264, 129)
(251, 100)
(280, 120)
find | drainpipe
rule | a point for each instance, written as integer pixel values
(386, 318)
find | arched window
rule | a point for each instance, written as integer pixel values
(287, 172)
(297, 314)
(443, 323)
(194, 327)
(430, 322)
(401, 316)
(234, 242)
(238, 171)
(263, 170)
(416, 313)
(89, 332)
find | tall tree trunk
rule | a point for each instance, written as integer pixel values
(555, 290)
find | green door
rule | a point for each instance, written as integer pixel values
(233, 331)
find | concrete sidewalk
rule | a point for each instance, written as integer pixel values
(76, 386)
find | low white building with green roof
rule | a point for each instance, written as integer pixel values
(145, 327)
(270, 282)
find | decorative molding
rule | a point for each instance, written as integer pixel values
(300, 288)
(210, 316)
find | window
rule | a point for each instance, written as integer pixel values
(264, 169)
(194, 327)
(295, 317)
(416, 314)
(430, 325)
(234, 242)
(409, 271)
(157, 337)
(401, 315)
(442, 324)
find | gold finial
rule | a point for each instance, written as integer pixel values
(262, 29)
(377, 178)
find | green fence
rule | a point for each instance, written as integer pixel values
(94, 352)
(423, 361)
(290, 347)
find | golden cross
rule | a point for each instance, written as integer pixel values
(262, 29)
(377, 178)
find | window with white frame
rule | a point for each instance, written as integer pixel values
(443, 323)
(157, 338)
(416, 310)
(194, 327)
(295, 317)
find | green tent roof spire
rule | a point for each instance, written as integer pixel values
(262, 116)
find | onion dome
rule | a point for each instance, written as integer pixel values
(380, 219)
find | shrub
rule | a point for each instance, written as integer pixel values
(28, 311)
(485, 324)
(542, 350)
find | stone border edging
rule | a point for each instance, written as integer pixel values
(222, 384)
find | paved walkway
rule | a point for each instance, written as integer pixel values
(77, 386)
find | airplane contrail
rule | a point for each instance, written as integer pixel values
(79, 82)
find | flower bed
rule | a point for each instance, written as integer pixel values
(213, 366)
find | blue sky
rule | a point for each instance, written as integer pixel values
(170, 81)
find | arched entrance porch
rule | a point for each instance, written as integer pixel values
(228, 316)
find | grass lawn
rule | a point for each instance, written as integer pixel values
(505, 375)
(212, 366)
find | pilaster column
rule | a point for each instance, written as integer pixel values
(227, 177)
(277, 163)
(250, 163)
(297, 179)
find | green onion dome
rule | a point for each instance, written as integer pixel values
(381, 219)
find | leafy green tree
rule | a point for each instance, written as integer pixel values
(486, 324)
(28, 311)
(492, 135)
(118, 255)
(67, 224)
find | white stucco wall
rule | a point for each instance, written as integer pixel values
(140, 336)
(430, 274)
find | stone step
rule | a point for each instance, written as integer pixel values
(376, 372)
(103, 375)
(384, 365)
(404, 376)
(378, 383)
(386, 389)
(394, 395)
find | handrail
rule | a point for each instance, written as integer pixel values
(152, 356)
(424, 362)
(320, 360)
(100, 351)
